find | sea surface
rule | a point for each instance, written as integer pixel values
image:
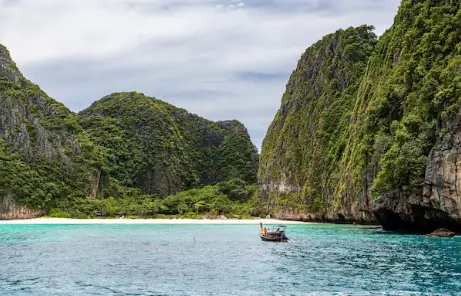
(223, 260)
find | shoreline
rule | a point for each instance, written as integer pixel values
(66, 221)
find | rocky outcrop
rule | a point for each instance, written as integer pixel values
(9, 210)
(430, 198)
(45, 158)
(442, 186)
(441, 232)
(391, 150)
(24, 132)
(8, 70)
(439, 206)
(301, 153)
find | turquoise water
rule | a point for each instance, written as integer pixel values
(224, 260)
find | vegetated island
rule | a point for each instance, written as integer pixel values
(368, 131)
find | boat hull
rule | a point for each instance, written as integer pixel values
(267, 238)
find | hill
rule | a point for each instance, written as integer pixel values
(384, 145)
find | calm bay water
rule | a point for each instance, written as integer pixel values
(224, 260)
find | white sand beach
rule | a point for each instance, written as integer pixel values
(147, 221)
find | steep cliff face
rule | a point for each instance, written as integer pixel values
(42, 159)
(10, 210)
(441, 204)
(407, 120)
(399, 152)
(301, 152)
(436, 203)
(161, 149)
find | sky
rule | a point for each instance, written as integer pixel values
(220, 59)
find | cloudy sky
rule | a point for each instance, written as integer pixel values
(220, 59)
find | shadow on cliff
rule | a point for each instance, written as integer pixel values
(419, 220)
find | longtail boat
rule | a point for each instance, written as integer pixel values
(273, 235)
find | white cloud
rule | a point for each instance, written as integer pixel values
(188, 52)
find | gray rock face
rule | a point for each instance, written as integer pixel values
(441, 232)
(300, 175)
(20, 114)
(8, 69)
(442, 188)
(9, 210)
(17, 123)
(438, 204)
(40, 133)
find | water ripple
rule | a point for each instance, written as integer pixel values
(223, 260)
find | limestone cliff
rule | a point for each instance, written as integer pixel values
(10, 210)
(440, 203)
(161, 149)
(124, 148)
(411, 105)
(42, 159)
(393, 149)
(302, 150)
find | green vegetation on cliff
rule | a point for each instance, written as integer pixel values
(161, 149)
(410, 93)
(45, 157)
(360, 117)
(304, 144)
(120, 156)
